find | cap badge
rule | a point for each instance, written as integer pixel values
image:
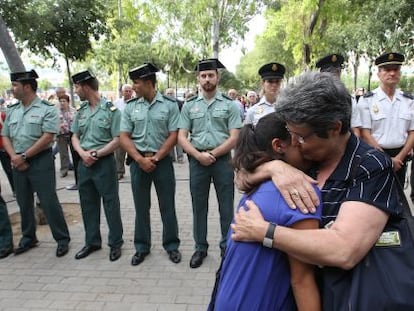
(334, 58)
(274, 67)
(391, 56)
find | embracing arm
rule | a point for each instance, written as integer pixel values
(356, 229)
(294, 185)
(303, 281)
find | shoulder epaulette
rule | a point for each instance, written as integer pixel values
(131, 100)
(12, 105)
(47, 102)
(228, 97)
(169, 98)
(83, 104)
(408, 95)
(192, 98)
(111, 106)
(368, 94)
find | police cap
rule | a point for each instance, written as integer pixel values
(82, 76)
(23, 76)
(209, 64)
(272, 71)
(333, 60)
(143, 71)
(389, 59)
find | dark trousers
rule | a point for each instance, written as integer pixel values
(98, 182)
(164, 181)
(75, 159)
(63, 142)
(6, 235)
(120, 160)
(6, 164)
(402, 171)
(40, 178)
(221, 173)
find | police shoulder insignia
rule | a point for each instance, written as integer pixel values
(47, 102)
(408, 95)
(111, 106)
(131, 100)
(368, 94)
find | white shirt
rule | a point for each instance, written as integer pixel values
(120, 104)
(389, 120)
(254, 113)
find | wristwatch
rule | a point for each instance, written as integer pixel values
(24, 157)
(268, 239)
(94, 154)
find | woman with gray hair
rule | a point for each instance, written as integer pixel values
(359, 193)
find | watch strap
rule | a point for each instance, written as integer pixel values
(268, 239)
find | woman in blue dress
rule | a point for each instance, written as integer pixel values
(255, 277)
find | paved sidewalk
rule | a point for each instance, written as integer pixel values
(38, 280)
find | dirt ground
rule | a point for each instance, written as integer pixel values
(72, 215)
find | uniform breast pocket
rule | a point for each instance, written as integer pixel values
(160, 119)
(34, 127)
(221, 114)
(13, 128)
(82, 124)
(104, 125)
(139, 122)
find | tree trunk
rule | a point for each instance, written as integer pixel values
(72, 98)
(9, 49)
(215, 38)
(369, 76)
(355, 66)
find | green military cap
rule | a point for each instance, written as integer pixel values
(389, 59)
(143, 71)
(23, 76)
(332, 60)
(272, 71)
(209, 64)
(82, 76)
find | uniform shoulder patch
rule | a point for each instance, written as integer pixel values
(408, 95)
(368, 94)
(47, 102)
(111, 106)
(228, 97)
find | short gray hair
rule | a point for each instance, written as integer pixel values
(317, 100)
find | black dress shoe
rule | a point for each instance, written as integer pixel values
(138, 258)
(24, 248)
(4, 252)
(174, 255)
(115, 253)
(62, 250)
(197, 259)
(86, 251)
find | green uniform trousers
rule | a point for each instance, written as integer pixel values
(222, 175)
(164, 181)
(40, 178)
(6, 235)
(96, 182)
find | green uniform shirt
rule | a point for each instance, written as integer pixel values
(150, 123)
(210, 124)
(24, 126)
(96, 128)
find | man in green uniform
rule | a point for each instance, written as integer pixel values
(6, 235)
(95, 137)
(213, 121)
(28, 133)
(148, 133)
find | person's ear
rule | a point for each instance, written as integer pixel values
(337, 127)
(278, 146)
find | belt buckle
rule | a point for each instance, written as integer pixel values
(148, 154)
